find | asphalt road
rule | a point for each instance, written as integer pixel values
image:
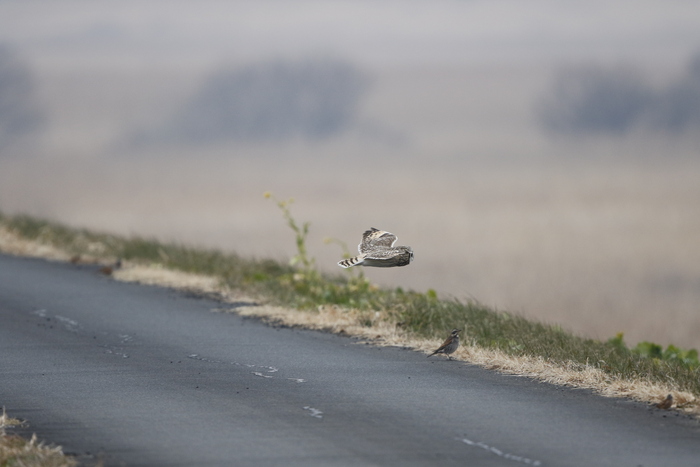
(149, 376)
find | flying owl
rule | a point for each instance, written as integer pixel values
(377, 249)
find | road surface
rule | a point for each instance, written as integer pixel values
(149, 376)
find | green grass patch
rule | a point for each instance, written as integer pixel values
(299, 284)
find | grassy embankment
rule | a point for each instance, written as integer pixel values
(350, 303)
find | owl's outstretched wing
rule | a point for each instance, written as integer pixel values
(373, 238)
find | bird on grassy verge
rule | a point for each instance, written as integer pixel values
(377, 250)
(666, 403)
(107, 270)
(450, 345)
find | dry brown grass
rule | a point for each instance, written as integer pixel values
(383, 332)
(16, 451)
(377, 328)
(15, 245)
(158, 275)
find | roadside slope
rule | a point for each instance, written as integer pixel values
(494, 340)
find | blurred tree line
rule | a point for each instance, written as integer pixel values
(593, 99)
(20, 114)
(269, 101)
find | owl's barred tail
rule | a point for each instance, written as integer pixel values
(350, 262)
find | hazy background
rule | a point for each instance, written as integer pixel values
(542, 157)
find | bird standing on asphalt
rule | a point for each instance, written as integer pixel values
(450, 345)
(666, 403)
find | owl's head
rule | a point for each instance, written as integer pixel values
(408, 252)
(402, 256)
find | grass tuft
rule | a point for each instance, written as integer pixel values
(17, 451)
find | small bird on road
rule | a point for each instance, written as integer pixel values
(666, 403)
(450, 345)
(377, 249)
(109, 269)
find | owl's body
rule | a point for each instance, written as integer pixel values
(377, 250)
